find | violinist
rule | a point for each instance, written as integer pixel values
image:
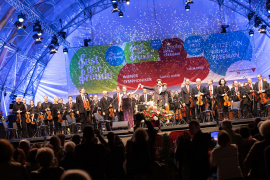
(28, 125)
(56, 110)
(117, 103)
(81, 103)
(46, 106)
(105, 104)
(39, 111)
(224, 91)
(171, 102)
(94, 109)
(211, 97)
(91, 97)
(248, 96)
(70, 105)
(176, 98)
(261, 88)
(33, 113)
(144, 98)
(19, 108)
(198, 94)
(186, 94)
(236, 92)
(137, 97)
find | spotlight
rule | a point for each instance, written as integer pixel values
(268, 6)
(21, 17)
(258, 21)
(37, 39)
(121, 14)
(251, 32)
(52, 49)
(187, 7)
(20, 26)
(127, 2)
(262, 29)
(54, 40)
(39, 32)
(37, 27)
(62, 34)
(86, 41)
(223, 27)
(113, 1)
(115, 8)
(189, 2)
(65, 50)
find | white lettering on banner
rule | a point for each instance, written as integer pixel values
(137, 80)
(194, 68)
(169, 76)
(94, 72)
(130, 76)
(139, 53)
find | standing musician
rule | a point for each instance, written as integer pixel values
(39, 111)
(261, 88)
(167, 93)
(248, 104)
(159, 94)
(145, 98)
(211, 97)
(116, 104)
(28, 125)
(199, 92)
(236, 92)
(105, 103)
(176, 98)
(33, 112)
(171, 102)
(94, 108)
(71, 106)
(56, 109)
(81, 103)
(132, 101)
(224, 90)
(137, 97)
(19, 108)
(46, 106)
(186, 94)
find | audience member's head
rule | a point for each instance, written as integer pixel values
(75, 174)
(194, 127)
(62, 138)
(36, 145)
(45, 157)
(95, 140)
(117, 140)
(111, 137)
(69, 147)
(19, 156)
(24, 145)
(140, 135)
(55, 142)
(223, 138)
(76, 139)
(257, 120)
(48, 146)
(265, 129)
(226, 125)
(6, 151)
(31, 157)
(259, 124)
(88, 133)
(179, 140)
(245, 132)
(251, 125)
(237, 130)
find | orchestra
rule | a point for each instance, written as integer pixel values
(189, 102)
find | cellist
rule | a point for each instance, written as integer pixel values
(224, 90)
(261, 88)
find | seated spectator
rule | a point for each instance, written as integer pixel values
(10, 170)
(91, 157)
(118, 141)
(62, 138)
(225, 157)
(247, 139)
(25, 146)
(258, 136)
(45, 158)
(57, 149)
(255, 161)
(32, 164)
(48, 146)
(68, 161)
(255, 129)
(36, 145)
(267, 161)
(75, 175)
(19, 156)
(76, 139)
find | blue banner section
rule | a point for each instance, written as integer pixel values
(194, 45)
(115, 56)
(222, 50)
(156, 44)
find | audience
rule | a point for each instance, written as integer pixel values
(76, 139)
(62, 138)
(57, 149)
(32, 164)
(45, 158)
(267, 161)
(19, 156)
(248, 140)
(225, 157)
(36, 145)
(25, 146)
(68, 161)
(91, 157)
(10, 170)
(255, 130)
(255, 161)
(75, 175)
(258, 136)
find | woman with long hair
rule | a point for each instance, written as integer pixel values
(223, 91)
(55, 111)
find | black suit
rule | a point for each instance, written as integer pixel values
(264, 87)
(22, 131)
(234, 92)
(116, 107)
(222, 90)
(158, 96)
(80, 107)
(104, 104)
(44, 106)
(185, 99)
(195, 92)
(142, 98)
(214, 96)
(247, 103)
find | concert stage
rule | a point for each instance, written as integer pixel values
(126, 134)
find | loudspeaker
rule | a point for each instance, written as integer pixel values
(120, 125)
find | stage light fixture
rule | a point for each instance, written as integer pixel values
(187, 7)
(37, 39)
(21, 17)
(121, 14)
(37, 27)
(223, 28)
(268, 6)
(62, 34)
(65, 50)
(54, 41)
(20, 27)
(189, 2)
(262, 29)
(251, 32)
(39, 32)
(127, 2)
(113, 1)
(86, 41)
(115, 8)
(258, 21)
(52, 49)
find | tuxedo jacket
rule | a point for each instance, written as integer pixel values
(195, 91)
(116, 102)
(73, 106)
(265, 87)
(46, 105)
(94, 106)
(214, 92)
(247, 91)
(79, 103)
(148, 98)
(104, 104)
(234, 96)
(185, 94)
(222, 90)
(17, 107)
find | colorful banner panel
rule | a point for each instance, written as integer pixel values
(100, 68)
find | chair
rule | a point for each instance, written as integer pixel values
(207, 118)
(44, 128)
(64, 126)
(15, 128)
(236, 109)
(7, 129)
(72, 123)
(100, 122)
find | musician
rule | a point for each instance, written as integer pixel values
(91, 97)
(186, 94)
(137, 97)
(34, 116)
(105, 103)
(60, 101)
(116, 104)
(56, 110)
(28, 125)
(176, 98)
(261, 87)
(46, 106)
(199, 91)
(19, 108)
(171, 102)
(70, 105)
(81, 103)
(94, 109)
(248, 99)
(222, 91)
(145, 97)
(132, 101)
(159, 92)
(236, 92)
(211, 96)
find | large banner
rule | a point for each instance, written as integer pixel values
(99, 68)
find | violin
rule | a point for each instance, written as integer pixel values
(32, 117)
(41, 117)
(72, 114)
(226, 99)
(60, 120)
(99, 111)
(178, 114)
(87, 106)
(49, 115)
(18, 118)
(184, 112)
(263, 99)
(27, 116)
(191, 102)
(111, 113)
(200, 101)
